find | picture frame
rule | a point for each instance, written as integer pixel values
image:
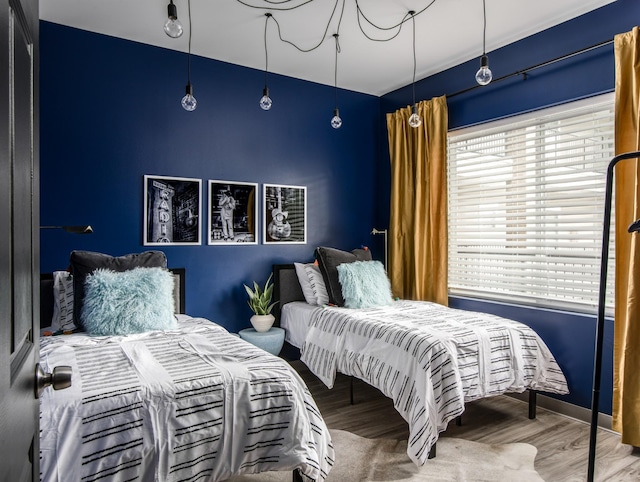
(284, 214)
(172, 211)
(233, 213)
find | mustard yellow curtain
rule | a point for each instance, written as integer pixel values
(418, 219)
(626, 377)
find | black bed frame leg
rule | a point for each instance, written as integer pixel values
(532, 404)
(351, 390)
(297, 476)
(432, 452)
(459, 421)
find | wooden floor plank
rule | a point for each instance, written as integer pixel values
(562, 442)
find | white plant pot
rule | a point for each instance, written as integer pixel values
(262, 322)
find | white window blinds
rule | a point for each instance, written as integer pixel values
(526, 203)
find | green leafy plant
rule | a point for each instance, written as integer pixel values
(260, 298)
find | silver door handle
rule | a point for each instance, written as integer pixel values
(59, 379)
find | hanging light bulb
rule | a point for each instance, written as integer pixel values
(265, 100)
(484, 75)
(189, 102)
(414, 119)
(172, 27)
(336, 121)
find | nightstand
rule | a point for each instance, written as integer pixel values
(270, 341)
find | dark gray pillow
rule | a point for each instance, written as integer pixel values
(83, 263)
(328, 261)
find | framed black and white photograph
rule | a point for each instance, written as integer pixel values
(172, 211)
(285, 214)
(233, 212)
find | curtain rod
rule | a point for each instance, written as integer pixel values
(537, 66)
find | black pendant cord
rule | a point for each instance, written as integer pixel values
(413, 84)
(189, 51)
(335, 70)
(266, 52)
(484, 27)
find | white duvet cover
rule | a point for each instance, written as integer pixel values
(190, 404)
(429, 359)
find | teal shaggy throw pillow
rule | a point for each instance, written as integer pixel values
(364, 284)
(134, 301)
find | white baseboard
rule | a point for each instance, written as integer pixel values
(567, 409)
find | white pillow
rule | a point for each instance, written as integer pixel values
(317, 284)
(62, 302)
(305, 284)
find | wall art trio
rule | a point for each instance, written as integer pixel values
(173, 212)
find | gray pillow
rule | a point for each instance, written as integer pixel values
(83, 263)
(328, 261)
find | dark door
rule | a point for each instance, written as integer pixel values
(19, 239)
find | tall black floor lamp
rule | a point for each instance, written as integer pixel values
(597, 364)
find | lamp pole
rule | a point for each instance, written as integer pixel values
(597, 363)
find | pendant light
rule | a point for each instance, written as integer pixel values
(189, 102)
(265, 100)
(414, 119)
(172, 27)
(336, 121)
(484, 75)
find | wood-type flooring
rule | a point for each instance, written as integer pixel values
(562, 442)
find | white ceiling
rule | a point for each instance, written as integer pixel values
(448, 33)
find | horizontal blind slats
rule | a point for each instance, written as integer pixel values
(526, 208)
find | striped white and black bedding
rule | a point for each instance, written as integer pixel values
(193, 404)
(428, 358)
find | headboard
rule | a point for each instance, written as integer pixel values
(286, 287)
(46, 294)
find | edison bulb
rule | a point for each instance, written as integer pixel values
(189, 102)
(173, 28)
(414, 119)
(265, 100)
(484, 75)
(336, 121)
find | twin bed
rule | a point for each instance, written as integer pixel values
(189, 403)
(429, 359)
(193, 402)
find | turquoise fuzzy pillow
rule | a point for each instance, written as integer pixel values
(134, 301)
(364, 284)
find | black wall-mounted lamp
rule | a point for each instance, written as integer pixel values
(383, 231)
(72, 229)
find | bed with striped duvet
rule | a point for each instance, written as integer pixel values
(192, 404)
(428, 358)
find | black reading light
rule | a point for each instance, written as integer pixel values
(72, 229)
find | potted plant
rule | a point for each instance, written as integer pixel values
(260, 303)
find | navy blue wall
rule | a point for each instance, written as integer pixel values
(110, 113)
(570, 337)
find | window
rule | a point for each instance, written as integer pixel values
(526, 206)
